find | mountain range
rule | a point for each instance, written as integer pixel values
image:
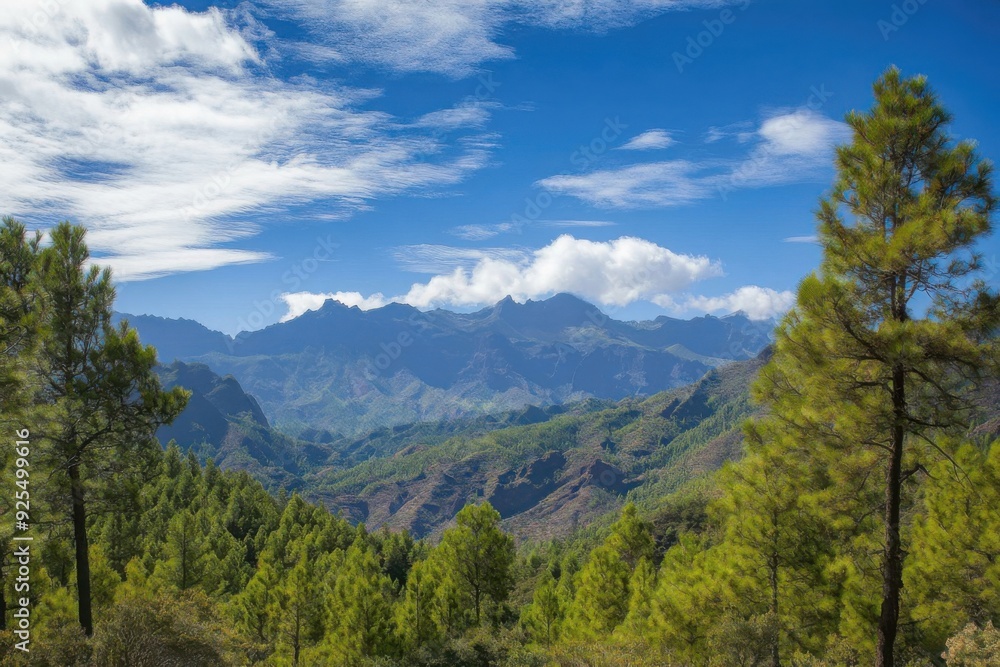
(340, 370)
(547, 470)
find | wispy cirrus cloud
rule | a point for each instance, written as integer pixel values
(454, 37)
(163, 130)
(787, 147)
(430, 258)
(482, 232)
(649, 140)
(653, 184)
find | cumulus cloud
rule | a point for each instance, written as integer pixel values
(649, 140)
(163, 131)
(787, 147)
(612, 273)
(759, 303)
(302, 302)
(615, 273)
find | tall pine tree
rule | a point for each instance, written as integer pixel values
(892, 329)
(104, 401)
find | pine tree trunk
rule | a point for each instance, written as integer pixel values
(892, 565)
(775, 652)
(82, 550)
(295, 638)
(3, 607)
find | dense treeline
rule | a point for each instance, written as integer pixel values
(860, 527)
(203, 567)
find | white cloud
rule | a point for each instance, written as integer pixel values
(483, 232)
(742, 131)
(448, 36)
(431, 258)
(302, 302)
(454, 37)
(464, 115)
(644, 185)
(789, 147)
(612, 273)
(802, 239)
(802, 132)
(159, 128)
(759, 303)
(649, 140)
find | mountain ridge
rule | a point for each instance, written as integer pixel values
(350, 371)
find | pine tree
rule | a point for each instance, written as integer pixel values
(418, 617)
(19, 323)
(954, 577)
(777, 545)
(873, 360)
(105, 402)
(692, 593)
(20, 314)
(544, 615)
(631, 537)
(298, 610)
(480, 556)
(188, 559)
(362, 612)
(602, 595)
(642, 586)
(254, 605)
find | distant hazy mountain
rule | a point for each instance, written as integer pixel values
(177, 339)
(351, 371)
(223, 422)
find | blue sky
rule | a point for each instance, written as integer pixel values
(237, 163)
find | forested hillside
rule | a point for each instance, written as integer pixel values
(854, 521)
(546, 479)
